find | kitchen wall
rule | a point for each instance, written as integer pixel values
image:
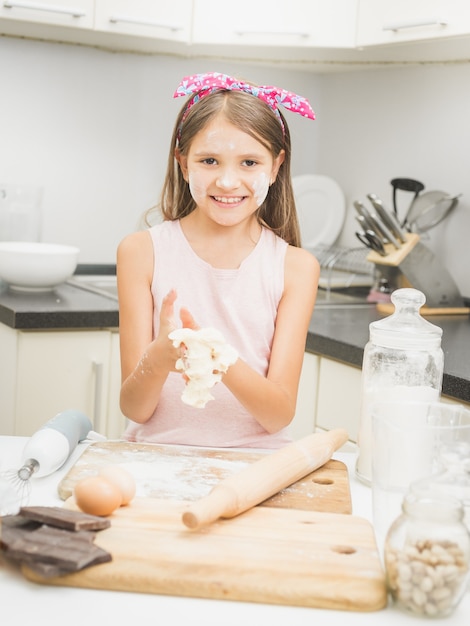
(93, 128)
(408, 122)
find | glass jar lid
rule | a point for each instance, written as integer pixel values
(405, 328)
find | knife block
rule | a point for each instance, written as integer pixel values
(414, 265)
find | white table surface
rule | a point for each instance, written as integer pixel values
(27, 603)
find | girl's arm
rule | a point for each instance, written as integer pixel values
(272, 400)
(145, 363)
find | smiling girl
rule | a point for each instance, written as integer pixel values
(227, 256)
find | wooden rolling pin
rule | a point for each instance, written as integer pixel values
(262, 479)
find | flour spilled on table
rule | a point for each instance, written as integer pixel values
(179, 478)
(171, 474)
(185, 473)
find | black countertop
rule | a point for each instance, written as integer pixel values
(64, 307)
(339, 333)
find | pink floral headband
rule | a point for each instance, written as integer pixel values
(202, 85)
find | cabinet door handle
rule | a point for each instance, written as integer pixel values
(283, 33)
(433, 21)
(44, 7)
(114, 19)
(98, 395)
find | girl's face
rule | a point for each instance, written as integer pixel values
(228, 171)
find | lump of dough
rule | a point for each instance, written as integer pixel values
(207, 356)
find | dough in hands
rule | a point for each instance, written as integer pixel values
(207, 356)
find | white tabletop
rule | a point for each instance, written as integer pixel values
(29, 603)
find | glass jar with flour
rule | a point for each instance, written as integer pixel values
(403, 361)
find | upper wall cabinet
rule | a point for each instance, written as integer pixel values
(297, 23)
(396, 21)
(72, 13)
(318, 35)
(157, 20)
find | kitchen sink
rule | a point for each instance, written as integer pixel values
(103, 285)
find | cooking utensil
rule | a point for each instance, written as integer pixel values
(424, 271)
(386, 234)
(265, 477)
(371, 241)
(48, 449)
(370, 221)
(405, 184)
(388, 218)
(429, 210)
(367, 221)
(363, 223)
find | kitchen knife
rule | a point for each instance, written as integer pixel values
(368, 223)
(262, 479)
(372, 241)
(361, 220)
(389, 220)
(387, 235)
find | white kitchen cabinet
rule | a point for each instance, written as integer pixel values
(339, 397)
(70, 13)
(8, 360)
(124, 25)
(306, 34)
(396, 21)
(115, 422)
(296, 23)
(329, 397)
(50, 371)
(189, 27)
(303, 423)
(145, 18)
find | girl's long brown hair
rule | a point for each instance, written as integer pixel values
(252, 116)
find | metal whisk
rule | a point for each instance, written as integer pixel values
(20, 479)
(47, 450)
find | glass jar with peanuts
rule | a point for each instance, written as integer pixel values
(427, 555)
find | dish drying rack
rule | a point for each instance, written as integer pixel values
(343, 267)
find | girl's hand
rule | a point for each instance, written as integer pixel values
(167, 314)
(164, 346)
(163, 350)
(188, 320)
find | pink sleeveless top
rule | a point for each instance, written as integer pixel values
(242, 304)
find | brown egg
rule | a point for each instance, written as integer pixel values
(97, 496)
(122, 479)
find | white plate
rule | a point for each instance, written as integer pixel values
(321, 209)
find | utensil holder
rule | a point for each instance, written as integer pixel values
(415, 265)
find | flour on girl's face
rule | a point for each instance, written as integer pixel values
(197, 188)
(226, 164)
(261, 188)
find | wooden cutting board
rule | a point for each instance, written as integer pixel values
(268, 555)
(186, 473)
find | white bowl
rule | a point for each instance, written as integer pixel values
(34, 266)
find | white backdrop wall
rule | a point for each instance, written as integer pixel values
(93, 129)
(410, 122)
